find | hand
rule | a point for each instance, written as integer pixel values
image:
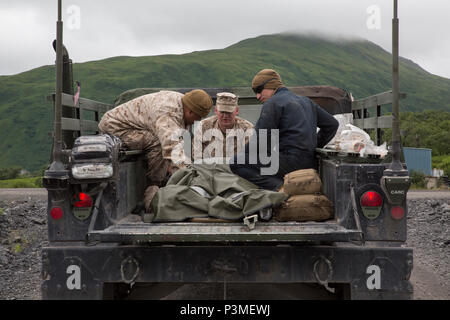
(171, 169)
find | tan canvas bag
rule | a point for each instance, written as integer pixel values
(307, 207)
(305, 181)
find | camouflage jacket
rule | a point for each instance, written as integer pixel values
(209, 141)
(159, 113)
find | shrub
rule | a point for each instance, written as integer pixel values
(443, 163)
(418, 179)
(38, 182)
(9, 173)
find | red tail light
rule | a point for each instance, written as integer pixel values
(371, 199)
(397, 213)
(56, 213)
(83, 200)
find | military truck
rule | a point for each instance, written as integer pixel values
(99, 248)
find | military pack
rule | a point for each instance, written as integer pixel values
(305, 181)
(305, 207)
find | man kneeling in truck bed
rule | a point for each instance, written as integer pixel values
(149, 122)
(297, 119)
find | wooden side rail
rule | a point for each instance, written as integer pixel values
(79, 124)
(361, 115)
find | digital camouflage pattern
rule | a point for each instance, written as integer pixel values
(226, 102)
(149, 123)
(208, 133)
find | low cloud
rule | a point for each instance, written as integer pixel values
(142, 28)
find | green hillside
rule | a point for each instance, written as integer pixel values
(359, 66)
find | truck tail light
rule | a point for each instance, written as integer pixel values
(56, 213)
(83, 200)
(397, 213)
(371, 199)
(371, 203)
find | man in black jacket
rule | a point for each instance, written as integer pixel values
(295, 120)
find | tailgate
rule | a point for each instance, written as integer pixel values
(187, 232)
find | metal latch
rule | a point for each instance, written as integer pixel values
(265, 214)
(250, 221)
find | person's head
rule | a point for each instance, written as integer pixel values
(196, 105)
(265, 83)
(226, 109)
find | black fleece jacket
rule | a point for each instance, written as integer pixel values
(296, 118)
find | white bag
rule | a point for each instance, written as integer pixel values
(354, 139)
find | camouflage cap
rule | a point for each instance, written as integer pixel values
(198, 101)
(226, 102)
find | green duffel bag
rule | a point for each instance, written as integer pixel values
(210, 191)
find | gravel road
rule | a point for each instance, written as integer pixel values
(23, 233)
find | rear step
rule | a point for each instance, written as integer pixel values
(225, 232)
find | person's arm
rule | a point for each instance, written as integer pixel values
(269, 119)
(169, 130)
(328, 126)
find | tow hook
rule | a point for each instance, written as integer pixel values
(250, 221)
(323, 272)
(129, 270)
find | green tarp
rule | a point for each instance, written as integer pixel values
(210, 190)
(132, 94)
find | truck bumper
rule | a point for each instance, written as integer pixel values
(81, 272)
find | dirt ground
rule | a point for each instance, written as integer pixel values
(23, 233)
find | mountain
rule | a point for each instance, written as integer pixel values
(360, 66)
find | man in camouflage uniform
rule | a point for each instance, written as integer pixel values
(216, 134)
(153, 123)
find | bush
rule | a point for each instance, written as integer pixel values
(38, 182)
(443, 163)
(417, 179)
(9, 173)
(40, 172)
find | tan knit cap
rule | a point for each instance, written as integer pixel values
(198, 101)
(265, 75)
(226, 102)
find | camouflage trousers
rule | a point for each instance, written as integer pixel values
(136, 139)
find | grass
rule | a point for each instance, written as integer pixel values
(17, 248)
(30, 182)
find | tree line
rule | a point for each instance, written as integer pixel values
(427, 129)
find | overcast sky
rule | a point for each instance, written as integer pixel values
(100, 29)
